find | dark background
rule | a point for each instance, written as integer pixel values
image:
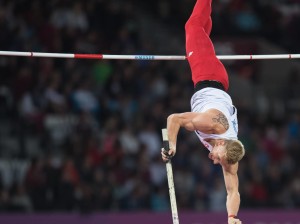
(85, 135)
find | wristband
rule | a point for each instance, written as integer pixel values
(232, 216)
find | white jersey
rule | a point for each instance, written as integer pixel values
(212, 98)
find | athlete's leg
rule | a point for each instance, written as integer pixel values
(208, 26)
(199, 48)
(198, 28)
(201, 12)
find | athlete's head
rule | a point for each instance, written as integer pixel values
(227, 151)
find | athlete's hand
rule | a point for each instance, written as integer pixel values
(167, 155)
(232, 220)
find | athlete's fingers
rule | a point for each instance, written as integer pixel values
(166, 155)
(234, 221)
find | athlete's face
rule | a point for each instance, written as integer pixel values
(218, 152)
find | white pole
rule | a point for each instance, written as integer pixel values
(170, 179)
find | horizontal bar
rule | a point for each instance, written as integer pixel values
(258, 57)
(51, 55)
(89, 56)
(143, 57)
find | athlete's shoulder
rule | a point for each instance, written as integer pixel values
(219, 121)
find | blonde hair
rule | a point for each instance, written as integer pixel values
(235, 151)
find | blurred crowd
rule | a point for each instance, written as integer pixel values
(88, 133)
(277, 20)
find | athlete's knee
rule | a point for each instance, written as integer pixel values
(195, 21)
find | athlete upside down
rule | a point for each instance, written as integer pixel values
(213, 117)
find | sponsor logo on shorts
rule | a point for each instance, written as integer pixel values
(190, 53)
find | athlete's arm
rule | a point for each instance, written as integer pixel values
(232, 185)
(207, 122)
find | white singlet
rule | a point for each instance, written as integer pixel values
(212, 98)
